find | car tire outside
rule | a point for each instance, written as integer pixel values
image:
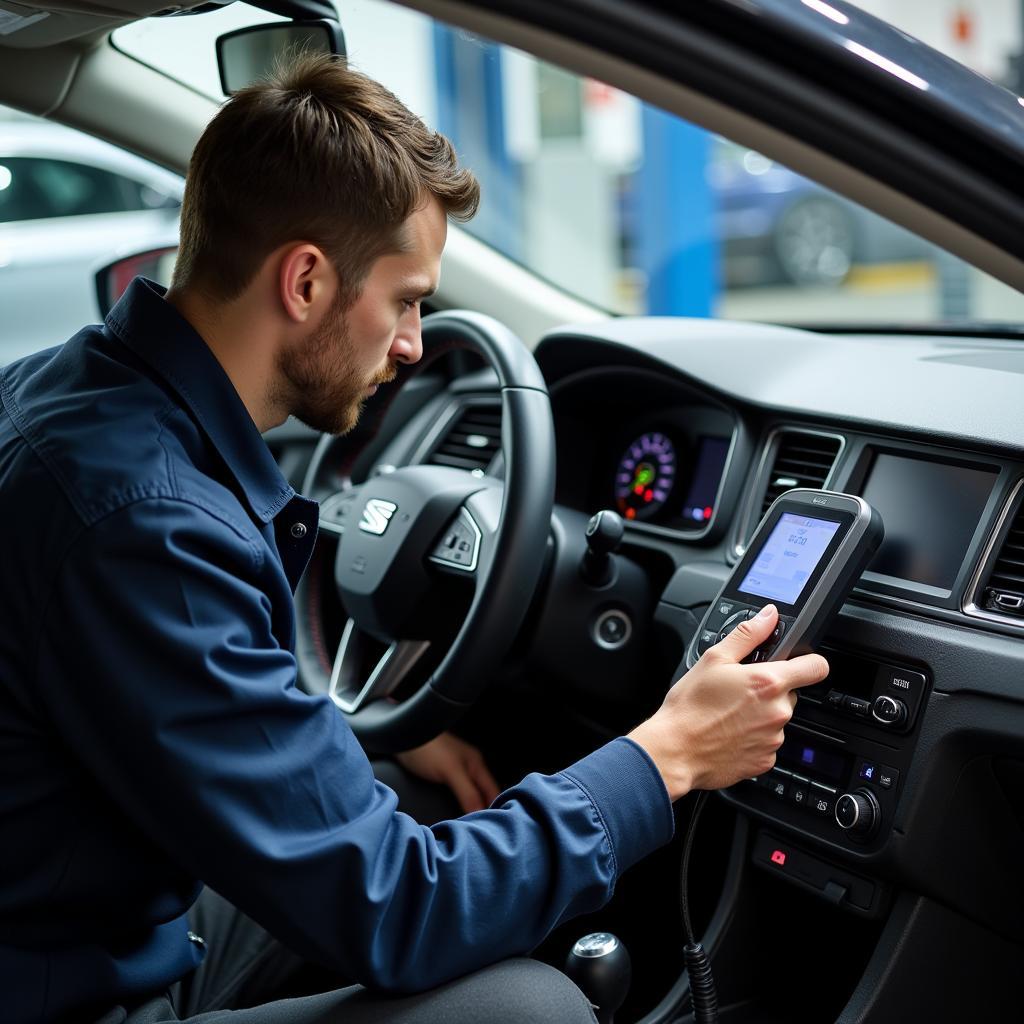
(814, 242)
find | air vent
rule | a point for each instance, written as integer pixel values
(472, 439)
(801, 460)
(1003, 591)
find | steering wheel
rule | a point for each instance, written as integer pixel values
(400, 532)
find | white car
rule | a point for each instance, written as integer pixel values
(69, 203)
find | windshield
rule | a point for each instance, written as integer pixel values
(633, 209)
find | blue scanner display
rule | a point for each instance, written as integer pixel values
(789, 556)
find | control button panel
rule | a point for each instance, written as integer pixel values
(726, 616)
(887, 698)
(459, 546)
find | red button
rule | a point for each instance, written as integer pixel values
(778, 857)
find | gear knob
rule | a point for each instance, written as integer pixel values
(599, 965)
(604, 535)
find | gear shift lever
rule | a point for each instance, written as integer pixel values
(604, 535)
(599, 965)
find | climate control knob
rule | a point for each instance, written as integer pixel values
(858, 812)
(889, 710)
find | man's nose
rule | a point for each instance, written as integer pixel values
(408, 344)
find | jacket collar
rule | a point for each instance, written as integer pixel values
(156, 332)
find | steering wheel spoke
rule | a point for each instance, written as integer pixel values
(348, 689)
(396, 532)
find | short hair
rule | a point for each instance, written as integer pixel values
(315, 152)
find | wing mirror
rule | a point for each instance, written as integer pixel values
(111, 280)
(247, 54)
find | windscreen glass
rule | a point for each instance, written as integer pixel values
(789, 556)
(930, 511)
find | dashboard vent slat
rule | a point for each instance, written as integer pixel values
(471, 440)
(1002, 591)
(801, 460)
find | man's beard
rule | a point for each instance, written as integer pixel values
(324, 387)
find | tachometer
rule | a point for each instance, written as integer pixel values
(645, 475)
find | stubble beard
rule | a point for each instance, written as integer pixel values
(325, 388)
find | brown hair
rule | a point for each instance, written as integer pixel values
(318, 153)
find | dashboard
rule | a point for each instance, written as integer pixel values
(689, 429)
(930, 431)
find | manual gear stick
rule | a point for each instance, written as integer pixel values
(599, 965)
(604, 535)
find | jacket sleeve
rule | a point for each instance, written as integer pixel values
(159, 666)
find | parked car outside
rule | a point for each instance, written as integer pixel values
(68, 204)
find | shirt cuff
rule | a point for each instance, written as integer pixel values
(630, 798)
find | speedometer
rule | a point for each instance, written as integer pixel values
(645, 475)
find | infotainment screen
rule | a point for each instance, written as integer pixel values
(930, 510)
(789, 556)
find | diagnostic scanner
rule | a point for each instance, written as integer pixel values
(806, 555)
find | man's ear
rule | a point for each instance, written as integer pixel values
(307, 283)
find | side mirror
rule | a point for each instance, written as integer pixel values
(114, 278)
(246, 55)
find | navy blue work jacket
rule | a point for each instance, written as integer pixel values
(153, 739)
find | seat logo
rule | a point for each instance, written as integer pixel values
(377, 514)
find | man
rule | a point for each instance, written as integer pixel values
(152, 738)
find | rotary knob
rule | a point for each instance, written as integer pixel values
(858, 812)
(889, 711)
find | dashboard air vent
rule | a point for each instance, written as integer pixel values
(472, 439)
(801, 460)
(1003, 590)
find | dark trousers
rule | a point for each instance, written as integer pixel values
(246, 972)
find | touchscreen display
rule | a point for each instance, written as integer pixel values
(930, 511)
(789, 556)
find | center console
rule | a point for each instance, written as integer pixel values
(837, 777)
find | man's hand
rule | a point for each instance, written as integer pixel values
(457, 765)
(723, 721)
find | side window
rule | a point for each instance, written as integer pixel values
(38, 188)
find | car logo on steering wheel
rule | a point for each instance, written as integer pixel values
(377, 514)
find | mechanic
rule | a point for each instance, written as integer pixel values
(183, 828)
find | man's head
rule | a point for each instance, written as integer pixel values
(321, 190)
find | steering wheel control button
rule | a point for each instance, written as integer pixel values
(612, 629)
(857, 812)
(889, 711)
(459, 546)
(335, 512)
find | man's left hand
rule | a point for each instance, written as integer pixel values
(455, 764)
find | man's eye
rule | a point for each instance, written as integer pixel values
(410, 303)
